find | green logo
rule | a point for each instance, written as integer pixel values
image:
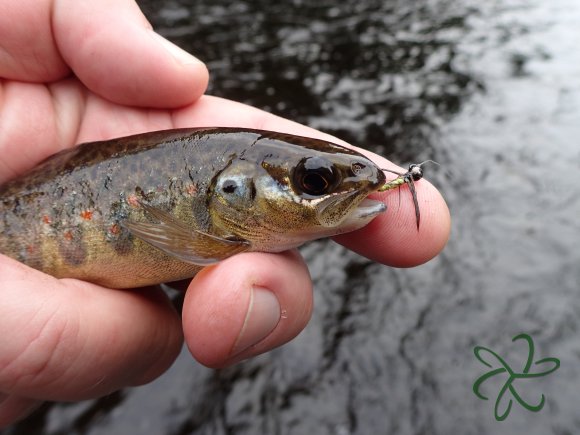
(552, 365)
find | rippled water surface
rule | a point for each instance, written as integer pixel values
(489, 89)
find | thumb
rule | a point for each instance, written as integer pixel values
(246, 305)
(110, 46)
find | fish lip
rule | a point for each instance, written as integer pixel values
(368, 208)
(366, 211)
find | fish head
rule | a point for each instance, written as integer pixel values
(284, 198)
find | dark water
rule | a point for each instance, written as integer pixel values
(491, 90)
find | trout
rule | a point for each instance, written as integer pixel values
(156, 207)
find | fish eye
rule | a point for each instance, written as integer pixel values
(315, 176)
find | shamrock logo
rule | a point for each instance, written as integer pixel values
(510, 384)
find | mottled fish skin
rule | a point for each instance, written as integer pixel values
(69, 217)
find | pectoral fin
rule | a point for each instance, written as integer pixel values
(186, 244)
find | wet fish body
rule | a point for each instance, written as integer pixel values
(156, 207)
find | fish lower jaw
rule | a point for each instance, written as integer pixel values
(365, 212)
(368, 208)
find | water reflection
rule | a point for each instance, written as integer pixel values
(374, 72)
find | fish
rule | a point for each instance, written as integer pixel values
(157, 207)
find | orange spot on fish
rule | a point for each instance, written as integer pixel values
(133, 201)
(46, 219)
(68, 235)
(30, 249)
(191, 189)
(114, 229)
(87, 215)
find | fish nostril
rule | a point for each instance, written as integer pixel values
(361, 170)
(357, 167)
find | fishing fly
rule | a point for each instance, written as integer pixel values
(414, 173)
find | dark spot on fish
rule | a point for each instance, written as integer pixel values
(120, 239)
(229, 186)
(252, 190)
(31, 256)
(58, 192)
(108, 182)
(278, 173)
(72, 248)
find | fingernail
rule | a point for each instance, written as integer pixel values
(262, 317)
(178, 53)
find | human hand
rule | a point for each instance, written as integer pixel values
(92, 71)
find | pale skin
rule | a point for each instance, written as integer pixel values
(72, 72)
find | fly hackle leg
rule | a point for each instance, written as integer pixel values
(411, 185)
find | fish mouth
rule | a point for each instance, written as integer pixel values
(365, 212)
(356, 212)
